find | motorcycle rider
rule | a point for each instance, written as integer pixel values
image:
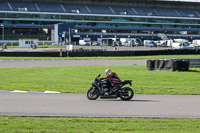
(114, 80)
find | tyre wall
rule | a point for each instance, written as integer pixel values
(171, 65)
(99, 53)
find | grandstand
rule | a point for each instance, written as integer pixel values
(117, 18)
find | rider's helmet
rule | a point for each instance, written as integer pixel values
(108, 72)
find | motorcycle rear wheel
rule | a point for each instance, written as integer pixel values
(127, 94)
(92, 93)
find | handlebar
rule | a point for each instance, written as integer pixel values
(98, 76)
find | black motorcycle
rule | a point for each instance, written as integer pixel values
(102, 88)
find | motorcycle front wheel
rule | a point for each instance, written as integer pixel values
(92, 93)
(127, 94)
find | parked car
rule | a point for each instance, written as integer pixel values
(149, 43)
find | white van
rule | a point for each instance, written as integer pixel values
(196, 43)
(84, 42)
(127, 42)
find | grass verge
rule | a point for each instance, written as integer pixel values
(97, 125)
(78, 79)
(96, 58)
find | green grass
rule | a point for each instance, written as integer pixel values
(12, 46)
(89, 58)
(79, 78)
(97, 125)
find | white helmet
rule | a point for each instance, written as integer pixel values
(108, 72)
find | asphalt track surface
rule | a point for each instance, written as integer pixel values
(46, 63)
(77, 105)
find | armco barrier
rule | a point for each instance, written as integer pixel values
(100, 53)
(194, 63)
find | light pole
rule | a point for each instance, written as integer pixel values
(71, 32)
(2, 26)
(130, 41)
(63, 35)
(69, 36)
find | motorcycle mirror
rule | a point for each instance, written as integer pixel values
(130, 82)
(99, 75)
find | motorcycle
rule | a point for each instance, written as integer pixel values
(101, 88)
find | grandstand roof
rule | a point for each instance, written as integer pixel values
(182, 0)
(74, 1)
(189, 4)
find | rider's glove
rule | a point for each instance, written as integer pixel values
(101, 79)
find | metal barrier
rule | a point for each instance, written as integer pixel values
(194, 63)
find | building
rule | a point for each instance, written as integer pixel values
(94, 19)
